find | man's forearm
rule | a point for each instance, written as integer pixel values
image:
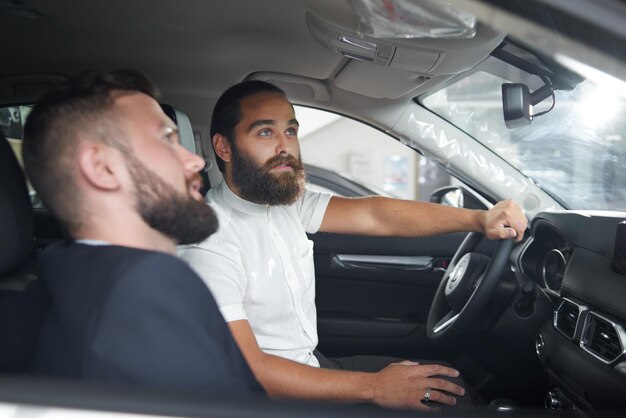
(409, 218)
(283, 378)
(381, 216)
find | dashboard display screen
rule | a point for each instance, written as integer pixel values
(619, 255)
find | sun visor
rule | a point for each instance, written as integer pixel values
(397, 83)
(386, 54)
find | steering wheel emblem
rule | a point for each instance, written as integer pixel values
(457, 274)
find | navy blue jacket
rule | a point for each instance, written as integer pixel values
(126, 315)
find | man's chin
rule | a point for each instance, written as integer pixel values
(284, 176)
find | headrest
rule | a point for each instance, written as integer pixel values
(16, 214)
(185, 131)
(211, 174)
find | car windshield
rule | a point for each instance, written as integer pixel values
(576, 152)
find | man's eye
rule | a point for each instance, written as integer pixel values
(292, 132)
(171, 137)
(265, 132)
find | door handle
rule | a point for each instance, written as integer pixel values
(405, 262)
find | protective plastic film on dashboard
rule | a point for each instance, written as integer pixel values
(448, 150)
(410, 19)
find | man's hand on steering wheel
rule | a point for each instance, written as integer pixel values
(505, 220)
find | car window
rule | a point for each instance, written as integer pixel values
(12, 119)
(575, 152)
(366, 156)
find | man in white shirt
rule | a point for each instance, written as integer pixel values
(259, 265)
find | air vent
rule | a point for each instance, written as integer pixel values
(566, 317)
(602, 338)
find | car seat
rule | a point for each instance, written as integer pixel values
(22, 300)
(188, 140)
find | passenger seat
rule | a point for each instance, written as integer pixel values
(187, 140)
(22, 300)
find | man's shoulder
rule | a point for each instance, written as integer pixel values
(69, 260)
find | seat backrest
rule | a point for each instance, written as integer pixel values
(16, 215)
(210, 174)
(185, 131)
(22, 300)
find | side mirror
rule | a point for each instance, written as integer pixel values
(459, 197)
(453, 197)
(516, 104)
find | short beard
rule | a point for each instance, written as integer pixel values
(258, 184)
(176, 215)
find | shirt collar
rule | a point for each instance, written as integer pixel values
(92, 242)
(239, 203)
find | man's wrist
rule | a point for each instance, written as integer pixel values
(475, 220)
(369, 386)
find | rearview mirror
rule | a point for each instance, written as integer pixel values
(516, 104)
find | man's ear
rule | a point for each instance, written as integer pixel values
(221, 145)
(99, 164)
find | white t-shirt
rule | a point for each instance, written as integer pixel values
(259, 267)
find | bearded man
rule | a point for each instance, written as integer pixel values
(108, 163)
(259, 265)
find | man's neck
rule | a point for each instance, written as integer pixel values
(133, 233)
(228, 178)
(164, 246)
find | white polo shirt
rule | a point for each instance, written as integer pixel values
(259, 267)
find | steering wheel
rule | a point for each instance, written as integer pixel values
(468, 284)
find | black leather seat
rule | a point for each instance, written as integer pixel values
(22, 300)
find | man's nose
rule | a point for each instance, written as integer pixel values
(191, 161)
(282, 144)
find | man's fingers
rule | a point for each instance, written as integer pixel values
(428, 370)
(445, 385)
(408, 363)
(503, 233)
(436, 396)
(505, 220)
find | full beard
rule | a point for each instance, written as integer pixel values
(174, 214)
(258, 184)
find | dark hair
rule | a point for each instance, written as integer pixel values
(81, 104)
(227, 110)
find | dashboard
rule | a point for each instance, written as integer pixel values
(583, 348)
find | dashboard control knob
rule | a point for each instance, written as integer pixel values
(552, 400)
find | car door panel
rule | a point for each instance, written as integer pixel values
(374, 293)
